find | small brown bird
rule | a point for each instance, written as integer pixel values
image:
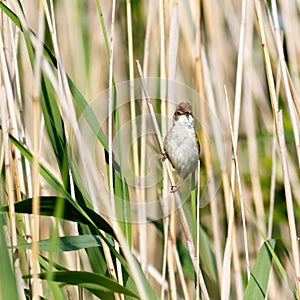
(181, 144)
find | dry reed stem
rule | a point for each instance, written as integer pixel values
(231, 244)
(285, 79)
(142, 232)
(107, 254)
(7, 164)
(12, 67)
(289, 200)
(36, 113)
(293, 93)
(237, 172)
(153, 272)
(226, 275)
(199, 76)
(143, 156)
(7, 96)
(164, 259)
(164, 127)
(181, 274)
(273, 176)
(171, 268)
(206, 87)
(172, 66)
(250, 124)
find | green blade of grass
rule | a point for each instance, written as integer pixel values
(88, 280)
(8, 286)
(67, 243)
(70, 212)
(51, 179)
(55, 129)
(258, 283)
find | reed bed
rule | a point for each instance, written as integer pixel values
(87, 92)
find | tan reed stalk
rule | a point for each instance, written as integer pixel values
(6, 96)
(237, 171)
(108, 257)
(295, 182)
(164, 258)
(143, 156)
(8, 167)
(272, 187)
(164, 128)
(199, 76)
(229, 245)
(180, 272)
(273, 176)
(289, 201)
(36, 113)
(267, 60)
(13, 161)
(209, 97)
(293, 94)
(152, 270)
(250, 125)
(142, 228)
(11, 49)
(171, 267)
(172, 65)
(285, 79)
(234, 170)
(110, 108)
(291, 28)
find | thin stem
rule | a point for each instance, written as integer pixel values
(237, 171)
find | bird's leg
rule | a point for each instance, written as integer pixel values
(164, 156)
(176, 187)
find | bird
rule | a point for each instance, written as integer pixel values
(181, 144)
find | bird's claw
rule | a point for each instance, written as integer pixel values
(164, 156)
(174, 188)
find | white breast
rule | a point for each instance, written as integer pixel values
(181, 146)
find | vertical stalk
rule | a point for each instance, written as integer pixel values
(111, 267)
(289, 200)
(172, 66)
(36, 113)
(164, 128)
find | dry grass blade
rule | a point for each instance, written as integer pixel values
(289, 199)
(36, 112)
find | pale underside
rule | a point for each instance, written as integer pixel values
(182, 149)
